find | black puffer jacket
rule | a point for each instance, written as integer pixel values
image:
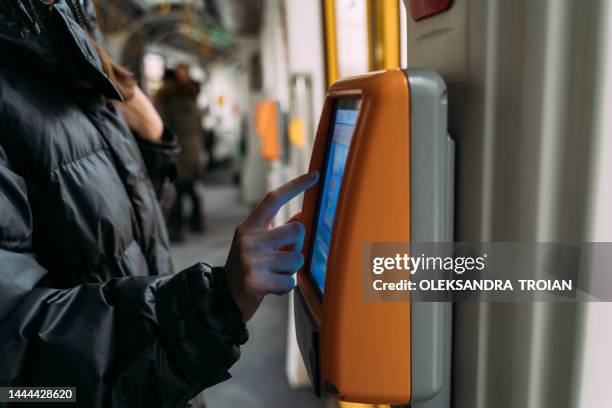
(82, 236)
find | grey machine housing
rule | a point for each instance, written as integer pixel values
(432, 165)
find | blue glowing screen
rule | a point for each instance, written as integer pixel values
(345, 119)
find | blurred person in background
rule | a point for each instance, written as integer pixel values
(209, 139)
(176, 102)
(87, 298)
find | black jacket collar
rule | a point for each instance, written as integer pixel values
(61, 50)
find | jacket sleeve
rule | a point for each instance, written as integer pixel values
(138, 341)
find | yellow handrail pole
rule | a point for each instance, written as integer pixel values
(331, 48)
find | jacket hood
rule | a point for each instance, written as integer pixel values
(51, 41)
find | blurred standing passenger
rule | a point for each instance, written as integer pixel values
(209, 140)
(177, 105)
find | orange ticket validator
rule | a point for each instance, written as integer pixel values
(357, 350)
(267, 126)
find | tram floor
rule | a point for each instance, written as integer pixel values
(259, 376)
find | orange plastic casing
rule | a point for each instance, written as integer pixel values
(365, 345)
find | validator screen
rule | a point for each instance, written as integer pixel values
(345, 118)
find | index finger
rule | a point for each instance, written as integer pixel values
(275, 199)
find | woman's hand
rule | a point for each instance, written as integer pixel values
(259, 262)
(142, 117)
